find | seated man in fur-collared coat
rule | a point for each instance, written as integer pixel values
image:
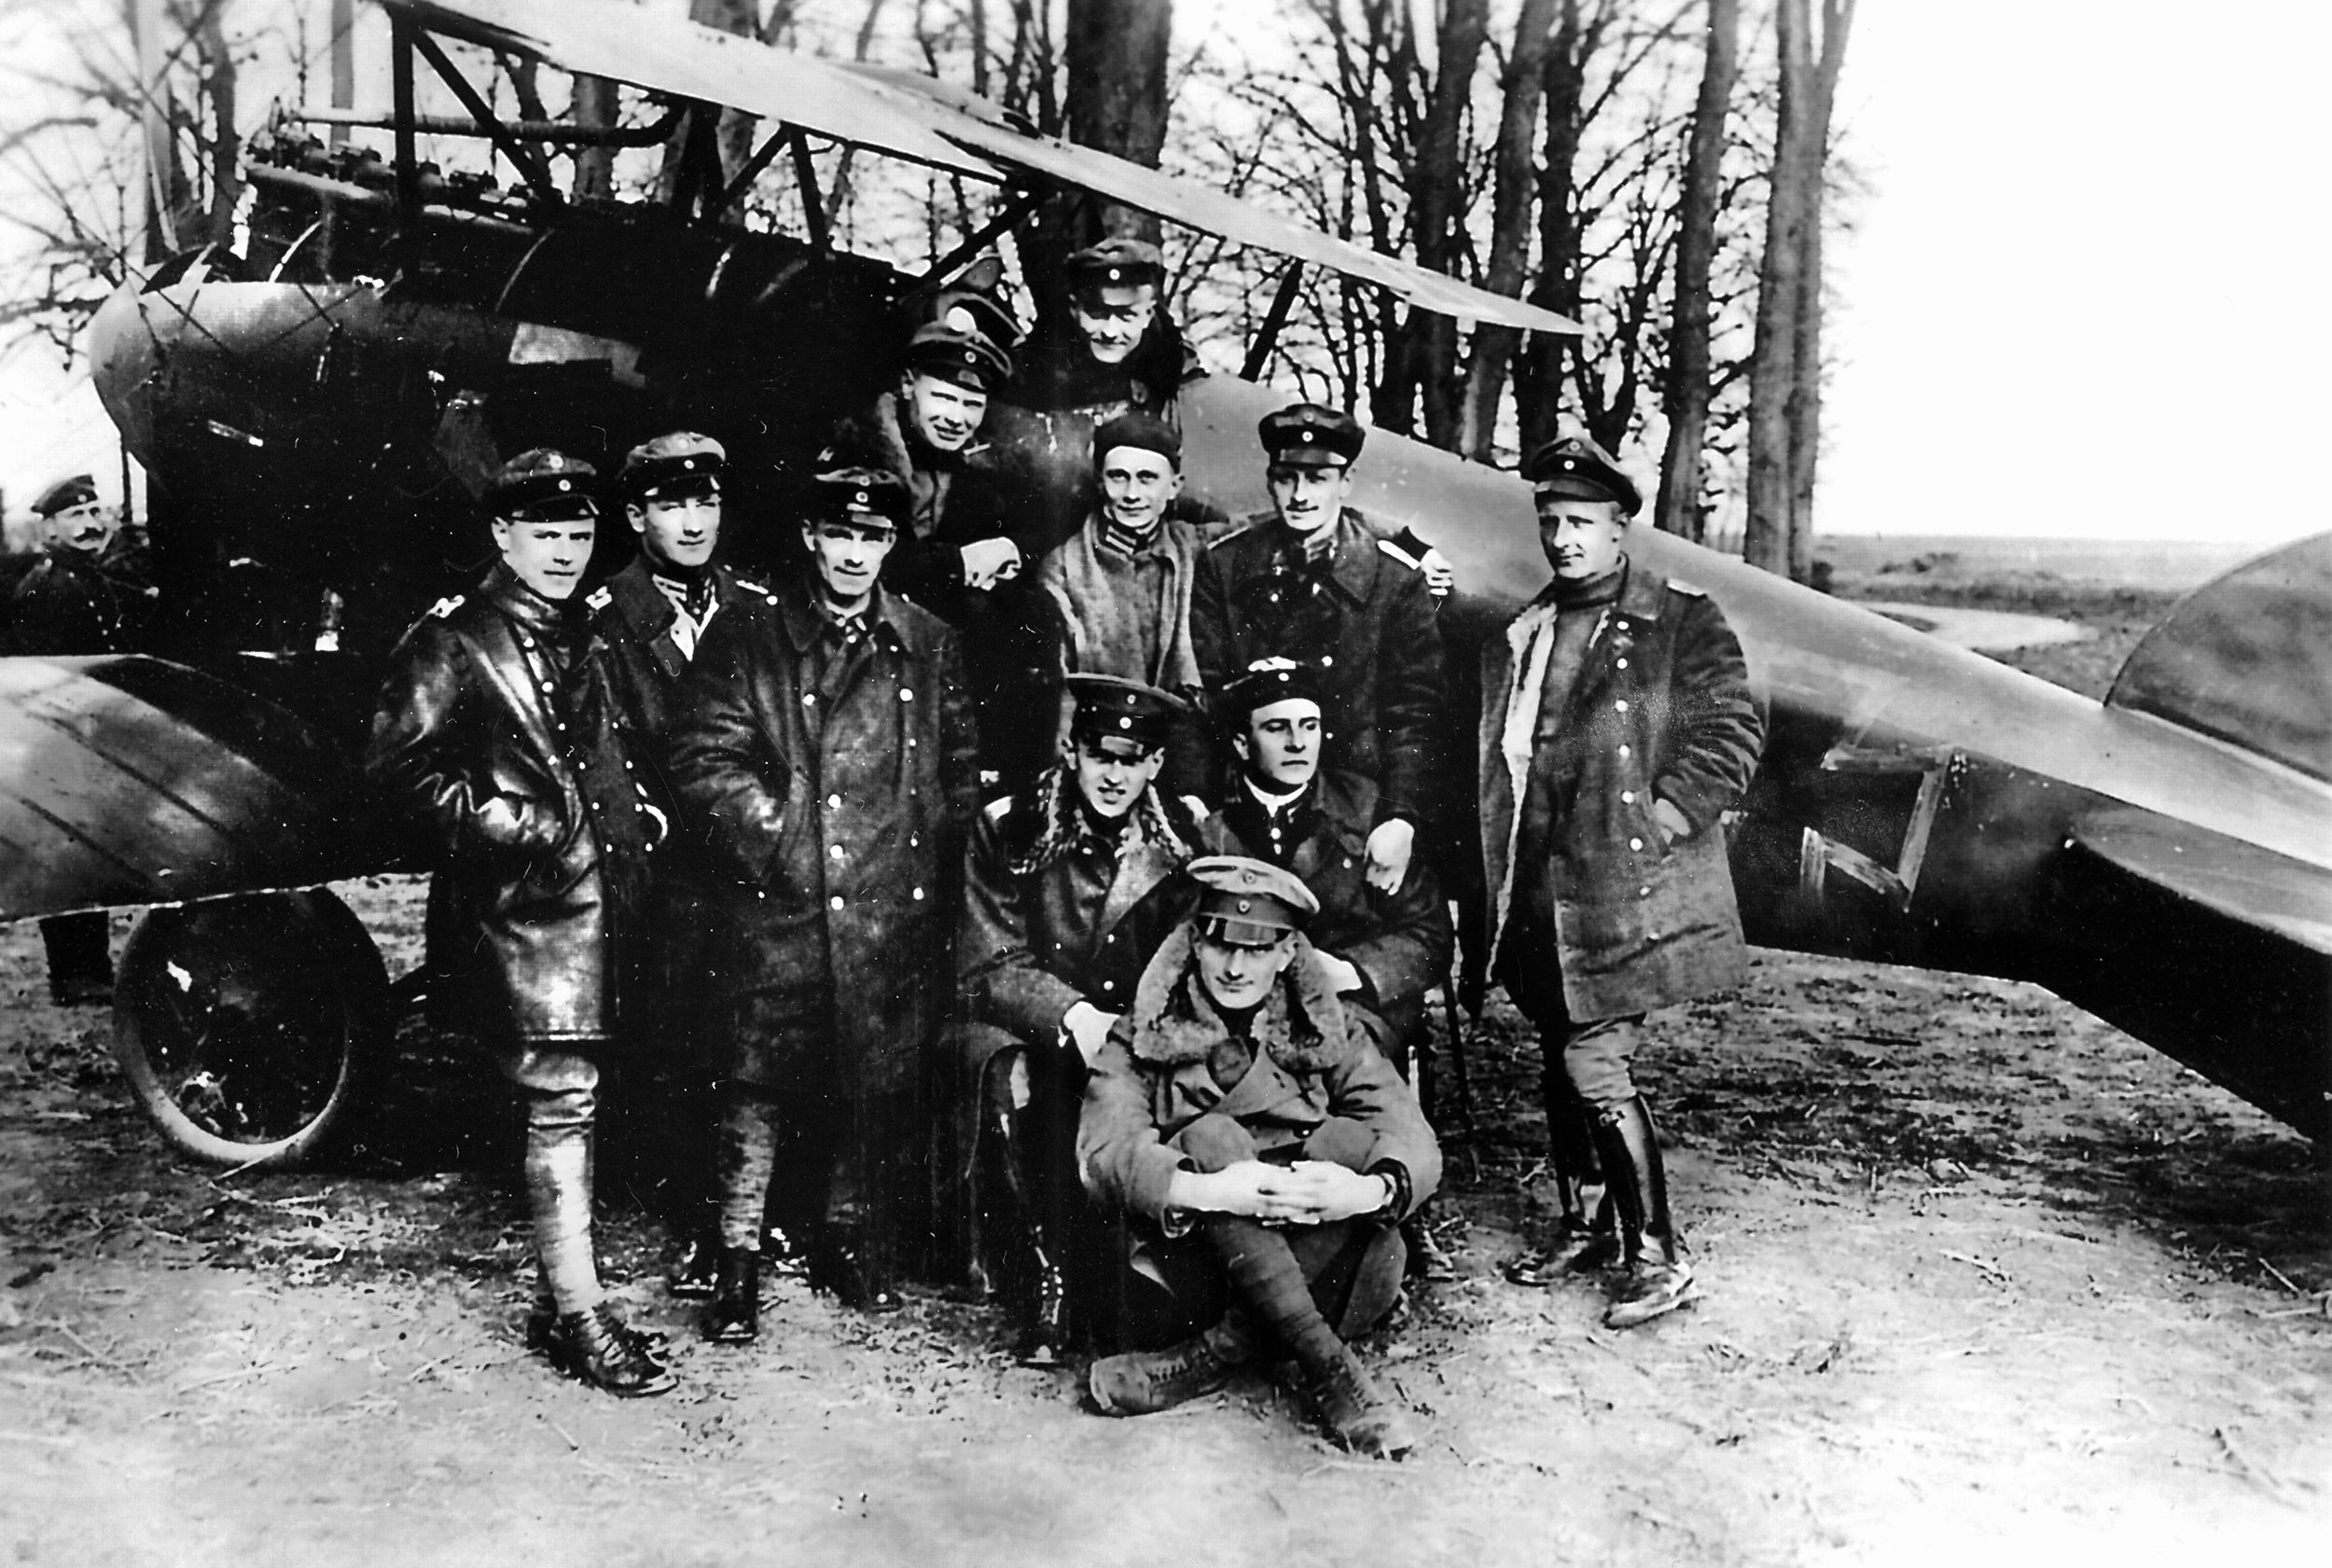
(1265, 1154)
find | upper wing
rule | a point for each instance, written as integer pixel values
(915, 116)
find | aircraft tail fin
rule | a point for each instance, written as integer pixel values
(2247, 658)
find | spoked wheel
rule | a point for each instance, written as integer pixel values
(244, 1024)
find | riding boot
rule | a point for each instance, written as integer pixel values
(1266, 1278)
(1043, 1292)
(1574, 1245)
(734, 1318)
(1656, 1275)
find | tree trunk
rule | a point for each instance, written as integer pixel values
(1436, 189)
(1774, 360)
(225, 140)
(1538, 379)
(1805, 404)
(1786, 367)
(735, 138)
(1687, 391)
(1115, 53)
(1524, 89)
(594, 167)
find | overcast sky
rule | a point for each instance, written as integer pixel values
(2082, 300)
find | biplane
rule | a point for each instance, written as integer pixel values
(315, 411)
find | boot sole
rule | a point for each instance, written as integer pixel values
(1642, 1313)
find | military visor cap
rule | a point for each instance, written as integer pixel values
(1118, 262)
(1122, 717)
(1574, 468)
(1246, 903)
(542, 485)
(1309, 435)
(1267, 681)
(951, 353)
(1146, 431)
(65, 495)
(681, 463)
(870, 497)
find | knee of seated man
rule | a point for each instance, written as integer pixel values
(1342, 1141)
(1216, 1142)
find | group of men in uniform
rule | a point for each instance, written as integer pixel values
(1038, 885)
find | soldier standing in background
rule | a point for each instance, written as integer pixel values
(86, 594)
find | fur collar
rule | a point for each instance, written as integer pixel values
(1301, 1026)
(1060, 825)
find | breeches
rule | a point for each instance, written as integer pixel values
(1590, 1062)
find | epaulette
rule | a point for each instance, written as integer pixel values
(599, 597)
(446, 606)
(1200, 810)
(1689, 590)
(751, 587)
(997, 809)
(1397, 553)
(1239, 533)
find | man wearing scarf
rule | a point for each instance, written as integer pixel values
(496, 740)
(1617, 727)
(1067, 893)
(648, 620)
(1264, 1154)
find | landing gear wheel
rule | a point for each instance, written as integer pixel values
(244, 1025)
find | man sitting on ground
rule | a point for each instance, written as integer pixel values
(1265, 1153)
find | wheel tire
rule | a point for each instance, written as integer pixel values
(244, 1025)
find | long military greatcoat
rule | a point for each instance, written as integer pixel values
(837, 824)
(1310, 1062)
(1661, 710)
(1080, 923)
(1399, 942)
(1369, 626)
(71, 602)
(632, 623)
(518, 776)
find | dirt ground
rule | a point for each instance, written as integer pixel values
(1983, 1280)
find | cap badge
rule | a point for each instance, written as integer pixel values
(862, 497)
(1246, 904)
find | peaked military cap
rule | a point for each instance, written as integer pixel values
(65, 495)
(1139, 429)
(1249, 903)
(1124, 718)
(1309, 435)
(681, 462)
(1574, 467)
(1267, 681)
(543, 483)
(954, 353)
(974, 303)
(866, 496)
(1116, 262)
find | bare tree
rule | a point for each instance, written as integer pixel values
(1785, 371)
(1523, 90)
(1687, 391)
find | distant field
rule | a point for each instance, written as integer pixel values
(2162, 567)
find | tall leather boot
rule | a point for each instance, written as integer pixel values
(1042, 1293)
(1656, 1275)
(1266, 1278)
(734, 1318)
(1576, 1244)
